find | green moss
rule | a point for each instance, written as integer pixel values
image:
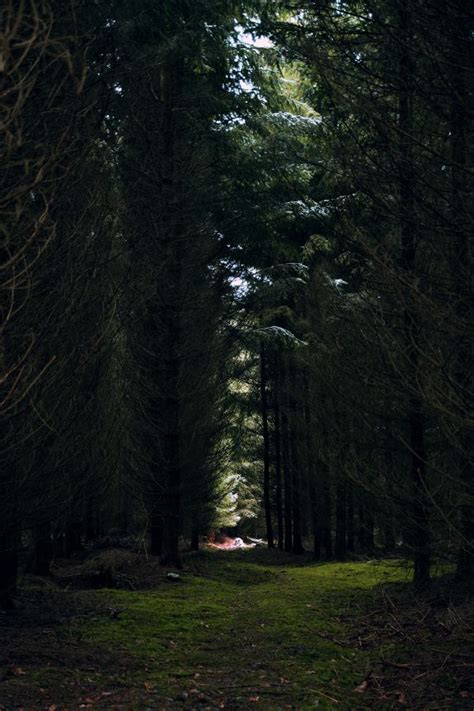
(233, 618)
(246, 625)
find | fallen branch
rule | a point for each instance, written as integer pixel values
(326, 696)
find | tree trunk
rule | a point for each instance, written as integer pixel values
(171, 496)
(420, 533)
(156, 533)
(365, 529)
(350, 518)
(370, 529)
(92, 520)
(389, 534)
(279, 499)
(73, 539)
(312, 486)
(171, 324)
(297, 545)
(170, 556)
(420, 538)
(266, 449)
(389, 507)
(43, 550)
(288, 543)
(461, 125)
(8, 570)
(325, 514)
(341, 518)
(195, 539)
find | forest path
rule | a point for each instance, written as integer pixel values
(240, 630)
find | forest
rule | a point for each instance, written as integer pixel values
(236, 339)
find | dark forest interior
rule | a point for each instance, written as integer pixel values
(236, 339)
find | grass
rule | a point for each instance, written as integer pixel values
(249, 629)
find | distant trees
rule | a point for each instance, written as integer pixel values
(177, 96)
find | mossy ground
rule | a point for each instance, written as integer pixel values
(243, 630)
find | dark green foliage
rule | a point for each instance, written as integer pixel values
(236, 281)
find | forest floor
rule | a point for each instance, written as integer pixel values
(239, 630)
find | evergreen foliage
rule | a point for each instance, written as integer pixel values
(236, 290)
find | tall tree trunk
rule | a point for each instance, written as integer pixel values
(8, 569)
(390, 504)
(388, 533)
(92, 523)
(288, 543)
(170, 556)
(43, 549)
(370, 529)
(361, 534)
(341, 517)
(156, 533)
(325, 512)
(171, 316)
(73, 539)
(279, 499)
(313, 494)
(420, 533)
(171, 497)
(420, 539)
(461, 124)
(195, 538)
(296, 463)
(297, 544)
(315, 521)
(266, 448)
(365, 531)
(350, 518)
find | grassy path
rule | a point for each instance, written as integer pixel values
(239, 631)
